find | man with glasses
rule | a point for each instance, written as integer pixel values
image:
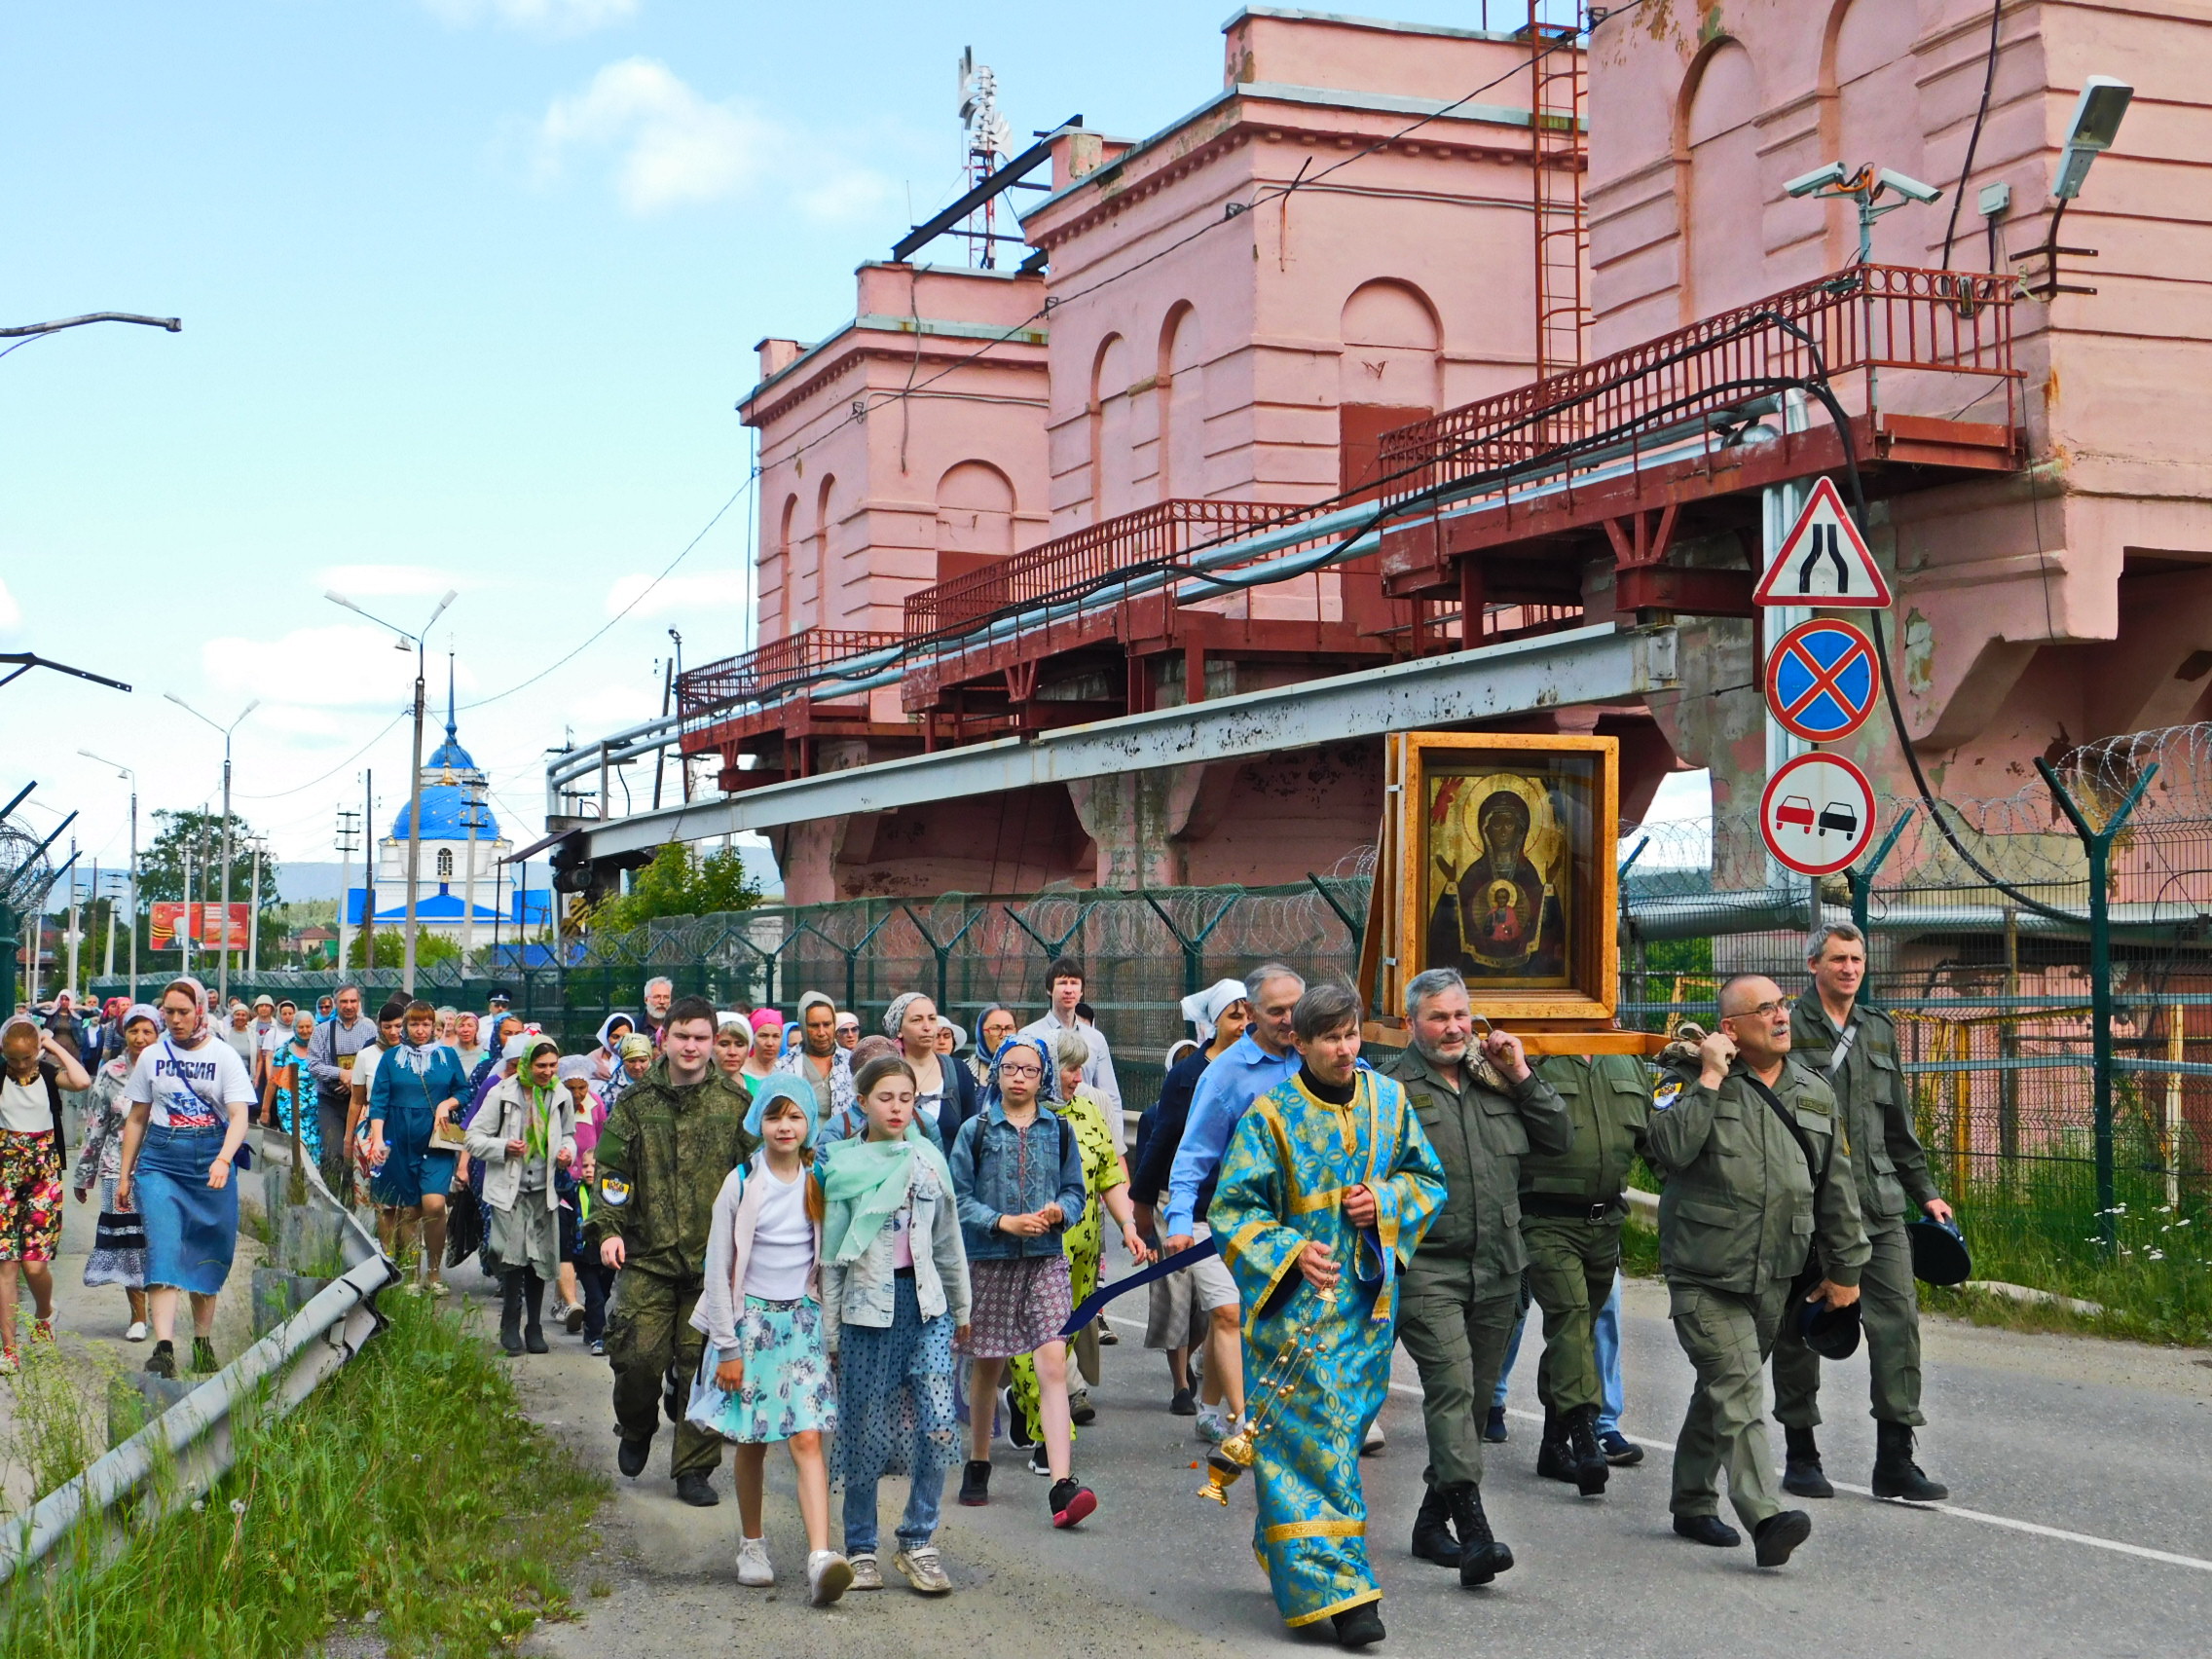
(1745, 1135)
(1855, 1046)
(331, 1052)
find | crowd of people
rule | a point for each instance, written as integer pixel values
(881, 1248)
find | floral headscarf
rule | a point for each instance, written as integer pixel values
(1048, 1090)
(199, 994)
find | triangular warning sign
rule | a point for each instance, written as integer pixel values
(1824, 563)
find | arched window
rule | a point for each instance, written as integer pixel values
(1112, 465)
(784, 579)
(1390, 373)
(1182, 406)
(1725, 265)
(445, 864)
(825, 517)
(1870, 79)
(975, 518)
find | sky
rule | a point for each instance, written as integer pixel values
(470, 291)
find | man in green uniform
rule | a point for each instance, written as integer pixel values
(1572, 1204)
(1745, 1135)
(1482, 1109)
(669, 1141)
(1855, 1046)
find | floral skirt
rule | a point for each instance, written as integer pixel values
(1018, 1305)
(788, 1388)
(30, 1196)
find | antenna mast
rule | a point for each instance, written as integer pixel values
(986, 142)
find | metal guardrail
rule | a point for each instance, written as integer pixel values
(193, 1437)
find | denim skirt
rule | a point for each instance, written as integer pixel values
(191, 1231)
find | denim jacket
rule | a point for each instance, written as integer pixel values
(864, 1290)
(1000, 1170)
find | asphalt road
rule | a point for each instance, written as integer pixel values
(2075, 1465)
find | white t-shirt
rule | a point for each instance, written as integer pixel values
(363, 1075)
(25, 1109)
(245, 1043)
(782, 1238)
(187, 1088)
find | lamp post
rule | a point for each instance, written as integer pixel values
(123, 771)
(414, 775)
(223, 957)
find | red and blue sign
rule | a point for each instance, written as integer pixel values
(1822, 679)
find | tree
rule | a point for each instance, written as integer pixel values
(391, 949)
(160, 872)
(679, 882)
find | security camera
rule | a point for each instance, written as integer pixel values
(1835, 174)
(1910, 188)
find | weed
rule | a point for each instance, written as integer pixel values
(409, 1484)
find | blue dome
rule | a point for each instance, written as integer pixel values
(444, 816)
(450, 757)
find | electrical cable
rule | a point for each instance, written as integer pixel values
(279, 794)
(1974, 139)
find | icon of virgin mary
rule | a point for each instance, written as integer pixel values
(1499, 917)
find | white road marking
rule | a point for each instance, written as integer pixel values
(1412, 1391)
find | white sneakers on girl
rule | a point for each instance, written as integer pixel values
(867, 1576)
(829, 1575)
(754, 1570)
(136, 1331)
(923, 1569)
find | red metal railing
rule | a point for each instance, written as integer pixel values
(700, 692)
(1868, 319)
(1068, 565)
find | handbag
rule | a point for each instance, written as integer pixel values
(707, 1401)
(120, 1231)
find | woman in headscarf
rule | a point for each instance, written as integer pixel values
(945, 1092)
(768, 1045)
(190, 1095)
(759, 1308)
(523, 1134)
(993, 1026)
(605, 1062)
(290, 1082)
(108, 1107)
(415, 1104)
(574, 1074)
(38, 1067)
(634, 1058)
(733, 1048)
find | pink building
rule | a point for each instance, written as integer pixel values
(2038, 607)
(1240, 306)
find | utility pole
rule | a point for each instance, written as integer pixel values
(369, 880)
(469, 883)
(107, 971)
(69, 937)
(184, 924)
(344, 838)
(253, 918)
(415, 778)
(223, 960)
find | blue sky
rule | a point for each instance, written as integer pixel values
(470, 289)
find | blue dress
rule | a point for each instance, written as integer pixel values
(409, 1085)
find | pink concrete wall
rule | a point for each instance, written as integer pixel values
(2035, 612)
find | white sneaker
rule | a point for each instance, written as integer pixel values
(1210, 1425)
(754, 1568)
(867, 1576)
(136, 1331)
(923, 1569)
(829, 1575)
(1374, 1440)
(1040, 1460)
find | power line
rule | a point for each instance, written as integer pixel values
(298, 788)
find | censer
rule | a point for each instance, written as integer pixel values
(1285, 1372)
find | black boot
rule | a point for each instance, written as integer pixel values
(1801, 1475)
(1360, 1626)
(1896, 1474)
(1591, 1469)
(1432, 1530)
(510, 1311)
(1482, 1558)
(534, 1306)
(1555, 1460)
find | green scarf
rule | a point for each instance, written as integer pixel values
(863, 1182)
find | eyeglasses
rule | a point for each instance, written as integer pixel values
(1764, 1011)
(1021, 1071)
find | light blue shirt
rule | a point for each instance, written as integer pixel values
(1225, 1093)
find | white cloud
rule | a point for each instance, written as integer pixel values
(11, 613)
(613, 708)
(717, 590)
(393, 581)
(676, 147)
(341, 666)
(563, 18)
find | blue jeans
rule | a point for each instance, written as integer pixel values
(1609, 1342)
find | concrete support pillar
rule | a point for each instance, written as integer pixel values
(1135, 820)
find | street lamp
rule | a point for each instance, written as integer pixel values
(123, 771)
(223, 959)
(414, 775)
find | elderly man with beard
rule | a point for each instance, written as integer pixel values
(1482, 1109)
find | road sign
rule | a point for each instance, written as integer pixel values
(1824, 563)
(1821, 681)
(1817, 814)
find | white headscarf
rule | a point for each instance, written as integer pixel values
(1205, 1009)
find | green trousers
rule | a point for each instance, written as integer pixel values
(1570, 1273)
(1458, 1333)
(1727, 1338)
(649, 1330)
(1889, 1313)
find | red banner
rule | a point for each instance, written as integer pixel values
(203, 922)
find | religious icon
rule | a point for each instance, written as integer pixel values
(1507, 845)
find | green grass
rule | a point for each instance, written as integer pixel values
(409, 1486)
